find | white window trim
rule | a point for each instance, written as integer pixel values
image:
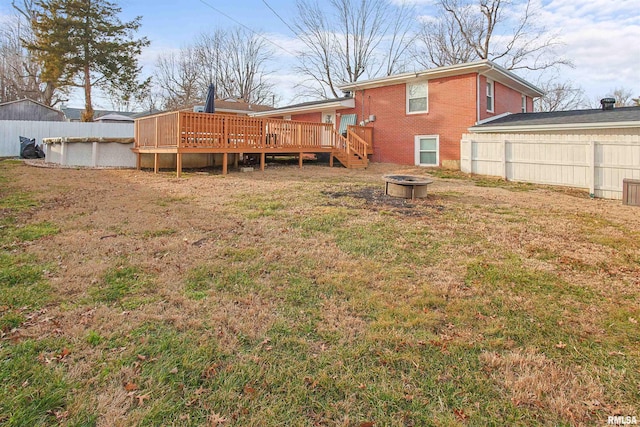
(417, 150)
(524, 103)
(425, 82)
(492, 95)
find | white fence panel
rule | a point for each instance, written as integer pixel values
(11, 130)
(598, 163)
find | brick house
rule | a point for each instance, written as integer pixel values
(419, 117)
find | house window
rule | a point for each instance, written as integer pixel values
(427, 150)
(417, 98)
(524, 104)
(489, 96)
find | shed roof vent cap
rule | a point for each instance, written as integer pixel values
(608, 103)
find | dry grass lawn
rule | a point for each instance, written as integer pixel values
(307, 297)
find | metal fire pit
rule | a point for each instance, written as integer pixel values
(406, 186)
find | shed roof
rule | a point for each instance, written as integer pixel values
(574, 119)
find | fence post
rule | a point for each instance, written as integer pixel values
(63, 152)
(503, 160)
(591, 163)
(94, 153)
(469, 156)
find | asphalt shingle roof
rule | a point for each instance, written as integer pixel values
(622, 114)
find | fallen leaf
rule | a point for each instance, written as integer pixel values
(216, 420)
(459, 413)
(130, 386)
(616, 353)
(632, 320)
(65, 353)
(142, 357)
(141, 398)
(367, 424)
(211, 371)
(561, 345)
(174, 371)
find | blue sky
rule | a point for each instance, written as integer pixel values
(601, 37)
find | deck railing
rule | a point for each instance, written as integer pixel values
(364, 133)
(230, 132)
(356, 144)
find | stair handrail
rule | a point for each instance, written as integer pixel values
(357, 144)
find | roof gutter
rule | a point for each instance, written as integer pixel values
(562, 126)
(321, 106)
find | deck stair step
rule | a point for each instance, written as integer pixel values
(352, 161)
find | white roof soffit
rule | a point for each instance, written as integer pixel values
(559, 127)
(308, 108)
(486, 68)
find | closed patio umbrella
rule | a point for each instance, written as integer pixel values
(209, 106)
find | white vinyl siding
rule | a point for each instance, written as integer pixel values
(417, 98)
(427, 150)
(490, 92)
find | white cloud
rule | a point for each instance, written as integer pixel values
(602, 39)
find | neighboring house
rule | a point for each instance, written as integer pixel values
(28, 109)
(592, 149)
(233, 106)
(419, 117)
(75, 114)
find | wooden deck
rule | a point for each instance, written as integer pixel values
(183, 132)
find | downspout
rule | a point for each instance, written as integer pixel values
(362, 106)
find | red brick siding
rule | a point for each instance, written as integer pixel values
(452, 110)
(505, 100)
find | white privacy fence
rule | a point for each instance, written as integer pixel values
(598, 163)
(11, 130)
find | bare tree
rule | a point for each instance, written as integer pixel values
(623, 96)
(508, 32)
(348, 39)
(234, 61)
(244, 68)
(440, 43)
(177, 76)
(20, 73)
(560, 96)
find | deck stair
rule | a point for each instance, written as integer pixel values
(352, 151)
(351, 160)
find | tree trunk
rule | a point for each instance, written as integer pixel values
(87, 114)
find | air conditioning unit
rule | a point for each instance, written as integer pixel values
(198, 109)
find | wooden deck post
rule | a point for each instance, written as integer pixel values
(178, 165)
(225, 163)
(138, 161)
(262, 158)
(330, 160)
(155, 162)
(236, 157)
(300, 160)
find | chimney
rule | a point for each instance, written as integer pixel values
(607, 103)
